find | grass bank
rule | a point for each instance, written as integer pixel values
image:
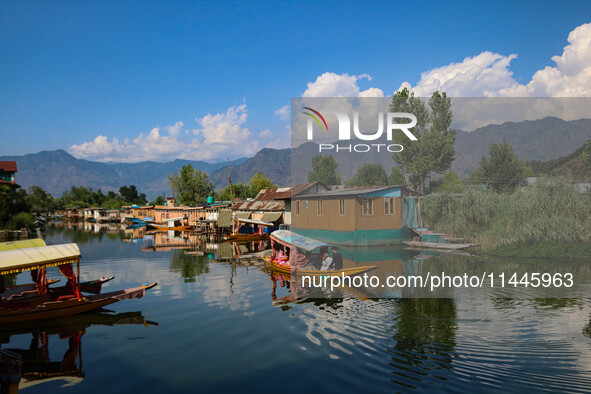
(549, 219)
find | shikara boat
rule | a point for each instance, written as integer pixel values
(300, 247)
(439, 245)
(48, 302)
(177, 224)
(258, 235)
(27, 243)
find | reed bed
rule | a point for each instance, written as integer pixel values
(549, 212)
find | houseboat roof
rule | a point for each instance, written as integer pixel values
(33, 258)
(286, 237)
(349, 191)
(8, 166)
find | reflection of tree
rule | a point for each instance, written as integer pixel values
(188, 265)
(425, 337)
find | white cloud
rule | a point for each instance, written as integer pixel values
(340, 85)
(283, 112)
(175, 129)
(266, 134)
(488, 74)
(220, 135)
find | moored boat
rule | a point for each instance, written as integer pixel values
(177, 224)
(46, 302)
(440, 245)
(258, 233)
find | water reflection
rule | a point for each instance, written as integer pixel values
(35, 364)
(243, 325)
(425, 339)
(189, 265)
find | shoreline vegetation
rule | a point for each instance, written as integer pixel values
(547, 220)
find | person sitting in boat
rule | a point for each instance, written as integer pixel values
(337, 259)
(326, 261)
(282, 259)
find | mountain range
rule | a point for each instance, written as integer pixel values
(56, 171)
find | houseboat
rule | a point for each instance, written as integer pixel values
(356, 216)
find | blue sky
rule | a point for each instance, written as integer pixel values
(132, 81)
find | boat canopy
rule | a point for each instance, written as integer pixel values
(27, 243)
(252, 221)
(18, 260)
(287, 238)
(173, 219)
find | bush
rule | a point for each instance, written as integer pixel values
(20, 220)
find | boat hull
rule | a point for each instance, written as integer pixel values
(53, 309)
(161, 227)
(435, 245)
(345, 271)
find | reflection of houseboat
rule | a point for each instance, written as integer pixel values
(356, 216)
(45, 302)
(166, 240)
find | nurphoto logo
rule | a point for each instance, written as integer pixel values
(344, 130)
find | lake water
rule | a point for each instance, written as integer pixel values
(212, 326)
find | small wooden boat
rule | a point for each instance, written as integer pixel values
(177, 224)
(297, 243)
(437, 245)
(258, 233)
(47, 302)
(273, 265)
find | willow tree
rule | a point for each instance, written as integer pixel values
(434, 149)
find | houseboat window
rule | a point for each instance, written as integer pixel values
(320, 207)
(297, 207)
(367, 206)
(342, 207)
(306, 204)
(389, 206)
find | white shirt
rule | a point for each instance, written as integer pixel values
(326, 263)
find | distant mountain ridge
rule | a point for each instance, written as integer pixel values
(56, 171)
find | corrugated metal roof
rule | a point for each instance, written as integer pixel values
(243, 215)
(8, 166)
(271, 216)
(271, 194)
(225, 218)
(259, 206)
(352, 191)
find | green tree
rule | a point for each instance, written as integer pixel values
(586, 156)
(158, 201)
(7, 204)
(476, 177)
(190, 186)
(258, 182)
(369, 175)
(39, 200)
(502, 171)
(131, 195)
(238, 190)
(434, 149)
(396, 177)
(451, 183)
(324, 170)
